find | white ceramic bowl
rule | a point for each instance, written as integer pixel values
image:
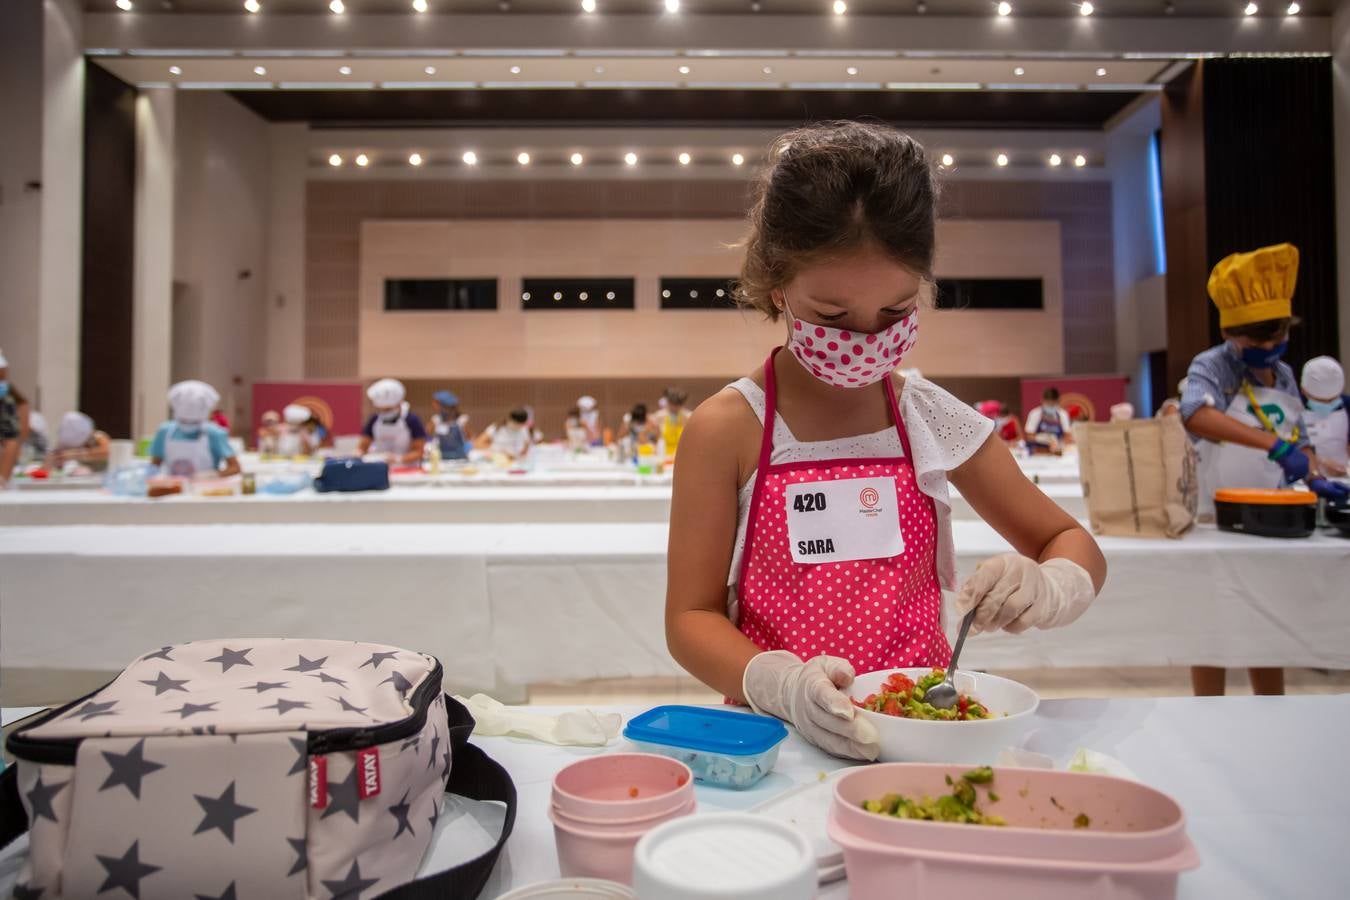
(975, 742)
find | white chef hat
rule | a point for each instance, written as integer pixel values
(1122, 412)
(1323, 378)
(586, 403)
(74, 430)
(296, 414)
(386, 392)
(192, 401)
(4, 363)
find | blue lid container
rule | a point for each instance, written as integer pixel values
(718, 731)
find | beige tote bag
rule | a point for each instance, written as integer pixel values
(1139, 477)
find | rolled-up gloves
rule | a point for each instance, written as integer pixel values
(1015, 593)
(809, 695)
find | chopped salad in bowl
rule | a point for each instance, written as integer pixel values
(902, 696)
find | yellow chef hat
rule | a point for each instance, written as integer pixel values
(1255, 286)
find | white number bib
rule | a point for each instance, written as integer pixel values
(847, 519)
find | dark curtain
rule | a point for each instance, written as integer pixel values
(1269, 178)
(108, 255)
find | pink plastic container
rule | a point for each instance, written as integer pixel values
(598, 820)
(1134, 848)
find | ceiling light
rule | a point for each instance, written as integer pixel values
(124, 5)
(1086, 8)
(672, 6)
(767, 70)
(1293, 9)
(515, 70)
(630, 158)
(921, 7)
(840, 7)
(175, 70)
(362, 160)
(504, 5)
(523, 158)
(344, 70)
(577, 159)
(259, 70)
(588, 5)
(1251, 9)
(419, 5)
(1055, 159)
(1019, 71)
(1001, 159)
(684, 70)
(737, 159)
(599, 70)
(1080, 160)
(335, 160)
(1005, 8)
(852, 70)
(252, 5)
(754, 7)
(414, 159)
(470, 158)
(1169, 8)
(1101, 73)
(337, 7)
(948, 160)
(430, 70)
(685, 159)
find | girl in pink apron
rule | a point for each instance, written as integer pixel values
(795, 563)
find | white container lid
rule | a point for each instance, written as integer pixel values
(728, 855)
(572, 889)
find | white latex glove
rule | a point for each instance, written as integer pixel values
(574, 728)
(1015, 593)
(809, 696)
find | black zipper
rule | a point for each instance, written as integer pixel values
(62, 751)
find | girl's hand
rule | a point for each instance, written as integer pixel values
(1014, 593)
(810, 696)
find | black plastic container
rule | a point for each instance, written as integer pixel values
(1267, 513)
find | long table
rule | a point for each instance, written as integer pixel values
(520, 604)
(1258, 778)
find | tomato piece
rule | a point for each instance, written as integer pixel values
(892, 708)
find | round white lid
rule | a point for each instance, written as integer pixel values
(572, 889)
(724, 855)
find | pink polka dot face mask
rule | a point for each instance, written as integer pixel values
(848, 359)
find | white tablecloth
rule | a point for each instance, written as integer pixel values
(517, 604)
(1258, 777)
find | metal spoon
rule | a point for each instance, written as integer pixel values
(944, 695)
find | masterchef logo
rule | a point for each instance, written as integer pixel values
(869, 498)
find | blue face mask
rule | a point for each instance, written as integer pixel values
(1261, 358)
(4, 388)
(1324, 406)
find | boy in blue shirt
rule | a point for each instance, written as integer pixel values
(189, 444)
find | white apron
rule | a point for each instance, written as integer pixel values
(290, 443)
(391, 437)
(188, 457)
(1229, 465)
(1327, 433)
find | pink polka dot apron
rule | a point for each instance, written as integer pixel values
(840, 557)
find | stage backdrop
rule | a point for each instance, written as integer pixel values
(338, 403)
(1096, 395)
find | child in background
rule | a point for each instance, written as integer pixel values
(78, 441)
(450, 427)
(394, 431)
(1049, 428)
(269, 430)
(1323, 385)
(13, 423)
(189, 444)
(510, 437)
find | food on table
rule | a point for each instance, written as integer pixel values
(900, 696)
(633, 792)
(1081, 821)
(959, 806)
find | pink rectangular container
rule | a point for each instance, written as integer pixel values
(1134, 849)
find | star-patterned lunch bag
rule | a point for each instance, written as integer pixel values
(264, 769)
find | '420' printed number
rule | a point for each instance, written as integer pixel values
(808, 502)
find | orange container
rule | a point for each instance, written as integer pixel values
(1265, 512)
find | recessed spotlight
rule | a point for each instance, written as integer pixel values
(1005, 8)
(684, 70)
(259, 70)
(630, 158)
(852, 70)
(525, 296)
(840, 7)
(672, 6)
(362, 160)
(919, 8)
(767, 70)
(1251, 9)
(1101, 72)
(337, 7)
(175, 70)
(515, 70)
(124, 5)
(583, 296)
(1055, 159)
(737, 159)
(1293, 9)
(430, 70)
(577, 159)
(609, 295)
(665, 295)
(1169, 8)
(419, 5)
(1086, 8)
(252, 5)
(754, 6)
(344, 70)
(1080, 160)
(948, 160)
(685, 159)
(523, 158)
(414, 159)
(1019, 71)
(470, 158)
(335, 160)
(1001, 160)
(557, 296)
(504, 5)
(588, 5)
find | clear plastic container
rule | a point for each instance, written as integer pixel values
(722, 748)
